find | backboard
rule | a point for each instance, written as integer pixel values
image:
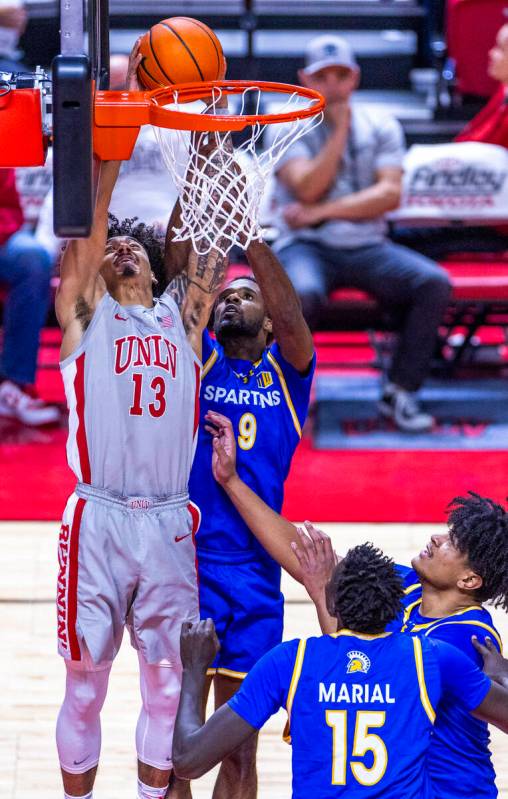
(80, 69)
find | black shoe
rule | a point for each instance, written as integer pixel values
(403, 407)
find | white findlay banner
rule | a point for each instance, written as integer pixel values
(463, 181)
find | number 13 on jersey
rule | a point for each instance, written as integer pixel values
(155, 408)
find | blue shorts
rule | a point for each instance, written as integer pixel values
(247, 606)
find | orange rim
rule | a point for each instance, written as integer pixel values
(189, 92)
(118, 115)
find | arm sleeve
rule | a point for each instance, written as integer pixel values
(299, 385)
(461, 679)
(266, 687)
(390, 149)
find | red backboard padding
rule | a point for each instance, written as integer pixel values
(21, 138)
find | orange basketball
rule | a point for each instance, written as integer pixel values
(179, 50)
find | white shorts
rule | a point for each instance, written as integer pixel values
(126, 561)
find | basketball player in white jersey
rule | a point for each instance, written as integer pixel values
(131, 370)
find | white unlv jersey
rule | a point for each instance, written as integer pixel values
(132, 389)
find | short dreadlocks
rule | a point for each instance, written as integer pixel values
(149, 238)
(479, 529)
(367, 590)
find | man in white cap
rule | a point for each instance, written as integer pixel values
(333, 187)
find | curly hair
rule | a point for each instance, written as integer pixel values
(479, 530)
(367, 590)
(149, 238)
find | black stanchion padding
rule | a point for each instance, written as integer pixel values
(73, 183)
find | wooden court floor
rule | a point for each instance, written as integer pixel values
(31, 674)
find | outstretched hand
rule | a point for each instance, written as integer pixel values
(317, 559)
(495, 665)
(224, 447)
(198, 644)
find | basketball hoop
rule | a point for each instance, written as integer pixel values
(219, 198)
(221, 186)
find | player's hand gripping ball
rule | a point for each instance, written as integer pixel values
(180, 50)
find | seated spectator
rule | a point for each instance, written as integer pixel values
(13, 18)
(25, 269)
(491, 124)
(334, 186)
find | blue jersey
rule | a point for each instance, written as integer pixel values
(459, 753)
(361, 709)
(267, 402)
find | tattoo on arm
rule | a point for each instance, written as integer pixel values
(83, 313)
(194, 290)
(177, 289)
(207, 271)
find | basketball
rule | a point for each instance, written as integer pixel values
(179, 50)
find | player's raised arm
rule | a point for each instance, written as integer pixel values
(197, 278)
(176, 253)
(77, 293)
(317, 560)
(283, 305)
(80, 289)
(195, 290)
(306, 554)
(275, 533)
(197, 747)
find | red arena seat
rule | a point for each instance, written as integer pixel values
(351, 295)
(479, 300)
(473, 280)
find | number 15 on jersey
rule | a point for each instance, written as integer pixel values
(364, 741)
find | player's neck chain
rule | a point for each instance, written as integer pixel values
(246, 376)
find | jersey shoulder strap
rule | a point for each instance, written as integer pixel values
(210, 353)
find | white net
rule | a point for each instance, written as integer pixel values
(221, 187)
